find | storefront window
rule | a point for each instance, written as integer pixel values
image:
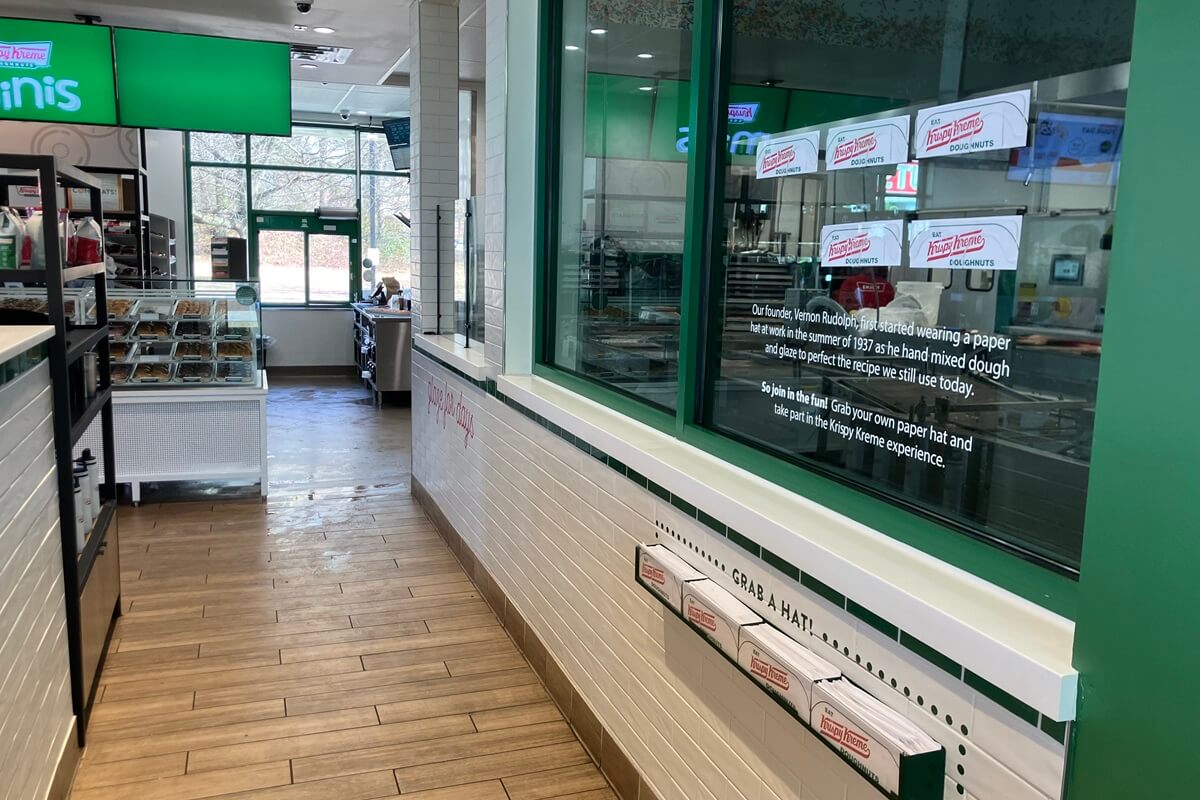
(285, 190)
(623, 150)
(218, 148)
(218, 203)
(310, 148)
(385, 228)
(911, 283)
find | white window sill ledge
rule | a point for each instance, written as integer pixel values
(468, 360)
(1011, 642)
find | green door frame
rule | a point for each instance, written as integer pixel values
(311, 225)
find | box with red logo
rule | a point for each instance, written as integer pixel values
(664, 573)
(882, 744)
(783, 667)
(717, 614)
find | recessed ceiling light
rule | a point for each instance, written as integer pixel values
(361, 113)
(599, 31)
(308, 66)
(571, 48)
(323, 29)
(645, 88)
(645, 55)
(299, 27)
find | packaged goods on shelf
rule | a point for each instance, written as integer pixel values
(717, 614)
(783, 667)
(664, 573)
(883, 744)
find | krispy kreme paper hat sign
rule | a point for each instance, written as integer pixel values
(868, 144)
(788, 153)
(997, 122)
(965, 243)
(863, 244)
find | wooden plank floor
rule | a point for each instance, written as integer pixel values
(325, 644)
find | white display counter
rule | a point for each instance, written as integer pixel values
(189, 434)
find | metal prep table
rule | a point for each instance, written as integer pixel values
(383, 348)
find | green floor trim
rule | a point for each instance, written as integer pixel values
(914, 645)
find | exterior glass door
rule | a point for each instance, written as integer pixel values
(302, 259)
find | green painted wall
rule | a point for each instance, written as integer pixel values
(1138, 641)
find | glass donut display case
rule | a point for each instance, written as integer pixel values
(189, 400)
(199, 334)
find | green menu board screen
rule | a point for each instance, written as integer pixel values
(203, 83)
(56, 72)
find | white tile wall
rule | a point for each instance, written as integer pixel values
(495, 91)
(35, 689)
(557, 531)
(433, 100)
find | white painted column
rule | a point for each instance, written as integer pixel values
(495, 88)
(433, 98)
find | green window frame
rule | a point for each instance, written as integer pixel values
(249, 168)
(955, 543)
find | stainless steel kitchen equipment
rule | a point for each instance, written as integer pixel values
(383, 348)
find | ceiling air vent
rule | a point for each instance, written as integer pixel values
(320, 54)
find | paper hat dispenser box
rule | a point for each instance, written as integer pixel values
(717, 614)
(664, 574)
(783, 667)
(884, 745)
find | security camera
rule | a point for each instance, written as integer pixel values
(344, 114)
(304, 8)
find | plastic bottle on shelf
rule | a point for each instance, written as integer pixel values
(12, 239)
(80, 474)
(79, 526)
(85, 487)
(93, 467)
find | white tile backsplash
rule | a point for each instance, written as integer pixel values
(35, 690)
(557, 529)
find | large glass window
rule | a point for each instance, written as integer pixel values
(912, 278)
(310, 148)
(906, 284)
(287, 190)
(623, 149)
(219, 148)
(385, 226)
(218, 210)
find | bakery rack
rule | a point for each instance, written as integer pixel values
(91, 578)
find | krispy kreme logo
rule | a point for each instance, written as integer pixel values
(956, 130)
(853, 246)
(846, 736)
(25, 55)
(956, 245)
(743, 112)
(776, 160)
(770, 673)
(702, 618)
(653, 574)
(855, 148)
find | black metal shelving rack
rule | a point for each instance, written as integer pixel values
(68, 346)
(138, 218)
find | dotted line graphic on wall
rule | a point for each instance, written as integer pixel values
(1003, 755)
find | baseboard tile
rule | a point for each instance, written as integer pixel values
(68, 762)
(616, 766)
